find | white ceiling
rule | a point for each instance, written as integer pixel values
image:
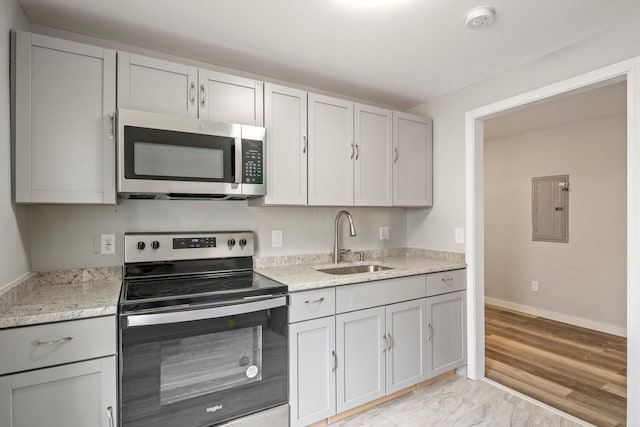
(401, 54)
(585, 104)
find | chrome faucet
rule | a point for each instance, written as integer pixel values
(352, 232)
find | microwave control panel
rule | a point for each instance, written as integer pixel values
(252, 169)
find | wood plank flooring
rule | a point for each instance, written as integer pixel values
(579, 371)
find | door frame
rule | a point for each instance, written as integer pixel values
(474, 214)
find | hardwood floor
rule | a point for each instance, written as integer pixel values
(579, 371)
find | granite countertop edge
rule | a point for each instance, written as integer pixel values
(307, 277)
(48, 297)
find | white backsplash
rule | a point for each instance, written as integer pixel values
(63, 236)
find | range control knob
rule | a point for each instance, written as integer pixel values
(155, 244)
(231, 243)
(242, 243)
(140, 245)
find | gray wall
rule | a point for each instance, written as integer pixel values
(63, 236)
(434, 228)
(14, 220)
(582, 281)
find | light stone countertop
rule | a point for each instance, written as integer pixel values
(302, 277)
(59, 296)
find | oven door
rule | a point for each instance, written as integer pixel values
(205, 366)
(162, 154)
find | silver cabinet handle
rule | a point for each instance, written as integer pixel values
(386, 343)
(314, 301)
(304, 147)
(357, 151)
(203, 95)
(390, 340)
(58, 341)
(110, 415)
(112, 132)
(192, 91)
(353, 150)
(430, 332)
(447, 279)
(335, 361)
(396, 155)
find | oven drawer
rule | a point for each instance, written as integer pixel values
(312, 304)
(32, 347)
(446, 281)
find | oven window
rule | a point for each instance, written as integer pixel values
(178, 161)
(203, 364)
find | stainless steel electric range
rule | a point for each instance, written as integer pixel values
(203, 339)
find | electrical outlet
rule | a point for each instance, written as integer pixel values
(535, 286)
(276, 238)
(384, 233)
(108, 244)
(459, 235)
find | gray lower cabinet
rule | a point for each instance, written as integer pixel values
(446, 338)
(361, 359)
(380, 350)
(81, 394)
(312, 367)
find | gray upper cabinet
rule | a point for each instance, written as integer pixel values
(63, 105)
(412, 160)
(372, 161)
(331, 151)
(155, 85)
(158, 86)
(286, 123)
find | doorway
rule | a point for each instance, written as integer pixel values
(475, 212)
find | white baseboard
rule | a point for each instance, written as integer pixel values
(559, 317)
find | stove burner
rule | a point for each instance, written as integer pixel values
(160, 291)
(236, 283)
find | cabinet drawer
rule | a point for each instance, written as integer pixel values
(382, 292)
(446, 281)
(312, 304)
(38, 346)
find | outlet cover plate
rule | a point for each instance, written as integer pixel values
(108, 244)
(384, 233)
(276, 238)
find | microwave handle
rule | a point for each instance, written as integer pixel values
(237, 170)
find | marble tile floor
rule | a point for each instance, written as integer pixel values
(457, 401)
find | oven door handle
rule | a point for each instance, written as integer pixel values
(204, 313)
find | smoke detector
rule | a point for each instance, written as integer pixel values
(480, 17)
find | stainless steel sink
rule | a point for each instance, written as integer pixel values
(354, 269)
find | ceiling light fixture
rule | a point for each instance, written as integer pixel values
(480, 17)
(372, 3)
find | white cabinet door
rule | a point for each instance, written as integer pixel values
(286, 123)
(331, 151)
(150, 84)
(372, 162)
(412, 160)
(361, 357)
(64, 105)
(232, 99)
(312, 367)
(80, 394)
(406, 356)
(446, 337)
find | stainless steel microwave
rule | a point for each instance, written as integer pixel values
(172, 157)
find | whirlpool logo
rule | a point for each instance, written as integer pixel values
(213, 409)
